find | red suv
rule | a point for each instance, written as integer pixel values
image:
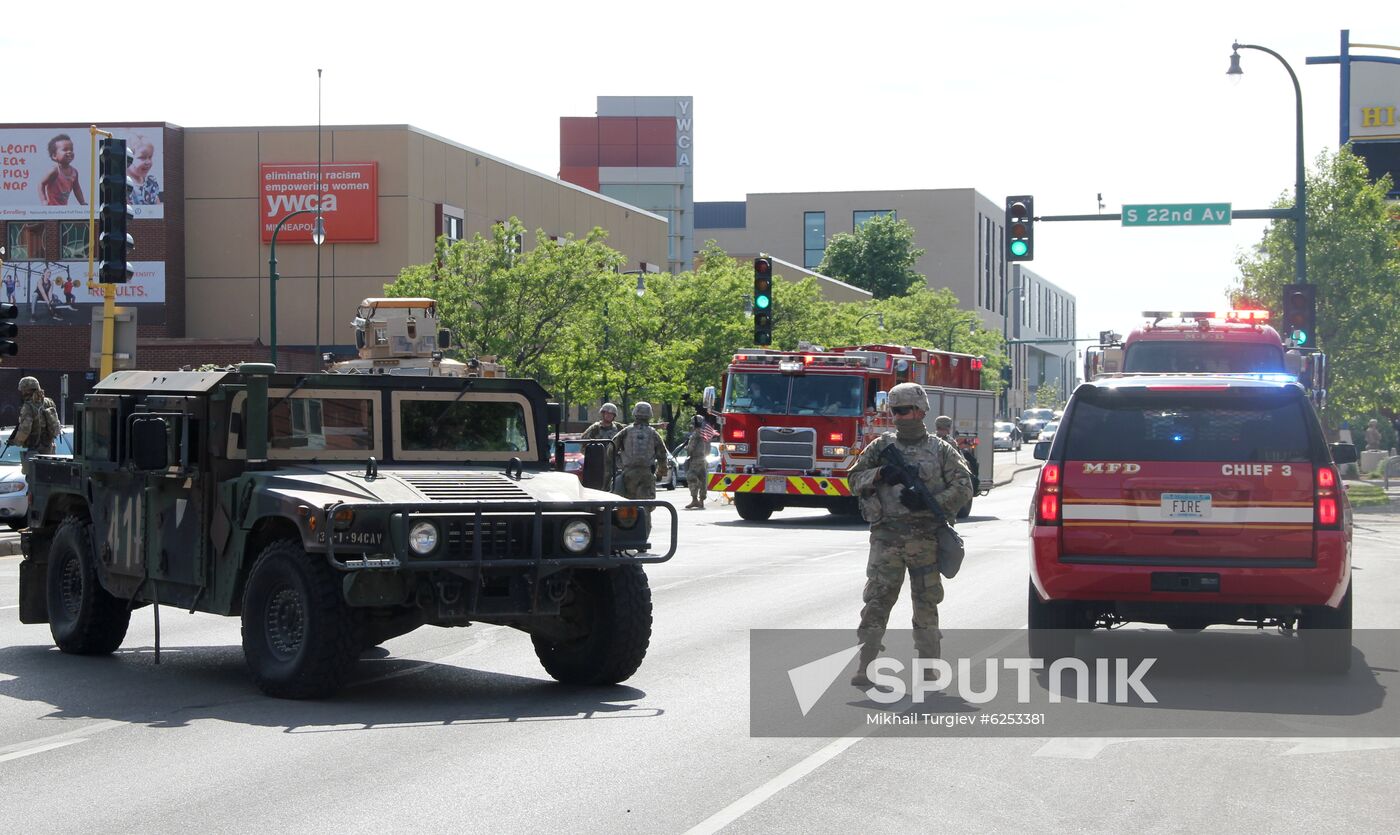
(1189, 501)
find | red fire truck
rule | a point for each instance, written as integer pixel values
(1208, 342)
(793, 422)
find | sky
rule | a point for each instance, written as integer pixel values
(1063, 101)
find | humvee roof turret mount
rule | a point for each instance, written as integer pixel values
(332, 513)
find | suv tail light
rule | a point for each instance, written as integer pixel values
(1047, 496)
(1327, 514)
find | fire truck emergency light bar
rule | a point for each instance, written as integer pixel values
(1241, 315)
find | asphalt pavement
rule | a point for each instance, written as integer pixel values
(461, 730)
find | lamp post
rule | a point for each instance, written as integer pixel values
(318, 237)
(971, 329)
(879, 319)
(1300, 202)
(1006, 337)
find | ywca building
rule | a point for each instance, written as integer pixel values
(206, 204)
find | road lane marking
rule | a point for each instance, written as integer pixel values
(752, 566)
(39, 750)
(48, 743)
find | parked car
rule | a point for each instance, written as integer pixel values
(1006, 435)
(681, 457)
(1047, 432)
(14, 489)
(573, 463)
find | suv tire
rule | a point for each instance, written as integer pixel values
(83, 617)
(611, 614)
(752, 508)
(299, 637)
(1326, 636)
(1050, 626)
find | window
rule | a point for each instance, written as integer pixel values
(482, 426)
(813, 239)
(1183, 427)
(858, 219)
(452, 227)
(73, 241)
(313, 424)
(25, 242)
(99, 428)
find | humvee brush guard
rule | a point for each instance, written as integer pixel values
(331, 513)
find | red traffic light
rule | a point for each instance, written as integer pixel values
(762, 265)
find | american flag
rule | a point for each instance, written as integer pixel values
(708, 432)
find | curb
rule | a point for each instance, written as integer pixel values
(9, 547)
(1021, 469)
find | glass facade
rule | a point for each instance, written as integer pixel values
(858, 219)
(813, 239)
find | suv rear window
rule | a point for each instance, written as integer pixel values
(1182, 426)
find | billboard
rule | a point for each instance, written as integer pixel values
(46, 173)
(1375, 100)
(57, 292)
(348, 201)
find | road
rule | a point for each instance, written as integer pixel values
(460, 730)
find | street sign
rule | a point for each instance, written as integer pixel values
(1177, 214)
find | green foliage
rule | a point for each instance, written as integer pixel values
(1354, 259)
(1047, 396)
(879, 257)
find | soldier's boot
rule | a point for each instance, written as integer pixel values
(868, 653)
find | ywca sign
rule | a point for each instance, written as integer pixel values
(348, 200)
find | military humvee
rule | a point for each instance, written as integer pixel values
(333, 512)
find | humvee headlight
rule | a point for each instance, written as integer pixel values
(625, 516)
(423, 538)
(344, 518)
(577, 536)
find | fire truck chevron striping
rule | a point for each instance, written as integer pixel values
(794, 422)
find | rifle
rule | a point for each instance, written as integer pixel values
(950, 545)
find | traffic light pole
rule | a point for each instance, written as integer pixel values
(109, 291)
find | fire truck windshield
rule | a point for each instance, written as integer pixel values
(1168, 356)
(810, 394)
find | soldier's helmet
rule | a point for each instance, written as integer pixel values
(608, 408)
(697, 421)
(909, 394)
(642, 410)
(28, 384)
(943, 423)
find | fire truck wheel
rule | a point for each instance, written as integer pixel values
(1326, 636)
(608, 616)
(752, 508)
(83, 618)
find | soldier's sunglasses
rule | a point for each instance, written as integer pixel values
(902, 410)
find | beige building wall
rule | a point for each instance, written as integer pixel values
(227, 264)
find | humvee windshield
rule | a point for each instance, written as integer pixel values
(321, 423)
(462, 426)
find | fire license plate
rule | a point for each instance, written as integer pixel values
(775, 484)
(1186, 505)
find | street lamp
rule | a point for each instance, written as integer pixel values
(971, 330)
(318, 237)
(1300, 203)
(1006, 337)
(879, 319)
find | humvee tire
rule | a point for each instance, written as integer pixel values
(83, 618)
(1326, 637)
(299, 637)
(613, 610)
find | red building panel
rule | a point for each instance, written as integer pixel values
(580, 176)
(656, 130)
(578, 130)
(656, 156)
(574, 156)
(617, 130)
(621, 156)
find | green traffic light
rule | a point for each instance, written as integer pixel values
(762, 302)
(1300, 337)
(1019, 248)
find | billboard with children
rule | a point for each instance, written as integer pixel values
(57, 292)
(48, 172)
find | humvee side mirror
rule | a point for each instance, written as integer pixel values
(444, 339)
(709, 398)
(1042, 451)
(554, 413)
(149, 440)
(882, 400)
(595, 466)
(1343, 454)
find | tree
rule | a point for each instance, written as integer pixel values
(1354, 259)
(879, 256)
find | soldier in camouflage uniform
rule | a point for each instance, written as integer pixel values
(640, 453)
(38, 425)
(697, 465)
(901, 530)
(606, 425)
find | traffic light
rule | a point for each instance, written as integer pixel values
(1020, 228)
(763, 300)
(1300, 314)
(8, 330)
(114, 193)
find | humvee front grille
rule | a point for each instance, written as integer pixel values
(500, 538)
(467, 487)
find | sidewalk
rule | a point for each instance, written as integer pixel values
(1393, 494)
(1012, 466)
